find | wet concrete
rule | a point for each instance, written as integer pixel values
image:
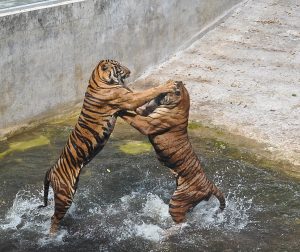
(244, 79)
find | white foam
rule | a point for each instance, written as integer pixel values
(55, 239)
(133, 215)
(127, 200)
(153, 222)
(234, 217)
(23, 205)
(156, 208)
(25, 216)
(149, 231)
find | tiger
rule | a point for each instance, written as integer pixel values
(106, 94)
(165, 120)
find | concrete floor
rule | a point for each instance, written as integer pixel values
(244, 76)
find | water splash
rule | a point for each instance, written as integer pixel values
(133, 215)
(22, 212)
(156, 208)
(235, 216)
(149, 231)
(153, 222)
(24, 218)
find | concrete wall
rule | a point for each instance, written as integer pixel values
(47, 54)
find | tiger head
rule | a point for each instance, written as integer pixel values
(178, 99)
(112, 72)
(173, 99)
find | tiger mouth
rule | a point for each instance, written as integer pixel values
(122, 81)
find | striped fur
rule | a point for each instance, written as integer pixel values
(106, 95)
(165, 121)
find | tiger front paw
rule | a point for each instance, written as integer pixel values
(169, 87)
(120, 113)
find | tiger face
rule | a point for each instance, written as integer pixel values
(112, 72)
(173, 98)
(169, 100)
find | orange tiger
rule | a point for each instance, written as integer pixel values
(164, 120)
(106, 95)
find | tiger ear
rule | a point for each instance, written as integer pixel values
(104, 67)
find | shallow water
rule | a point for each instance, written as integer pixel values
(122, 201)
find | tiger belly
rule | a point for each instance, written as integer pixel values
(106, 132)
(80, 149)
(64, 176)
(88, 138)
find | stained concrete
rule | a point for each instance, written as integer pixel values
(48, 52)
(244, 77)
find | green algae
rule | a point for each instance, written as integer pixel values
(214, 141)
(135, 147)
(220, 145)
(25, 145)
(194, 125)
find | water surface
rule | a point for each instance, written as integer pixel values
(122, 201)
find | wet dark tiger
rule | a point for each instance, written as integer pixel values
(165, 121)
(106, 95)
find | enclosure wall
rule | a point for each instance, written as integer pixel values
(47, 54)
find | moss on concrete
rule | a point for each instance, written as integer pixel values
(25, 145)
(213, 140)
(135, 147)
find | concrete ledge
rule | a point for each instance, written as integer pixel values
(48, 53)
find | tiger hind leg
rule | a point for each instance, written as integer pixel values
(220, 196)
(179, 205)
(63, 201)
(55, 220)
(206, 196)
(178, 213)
